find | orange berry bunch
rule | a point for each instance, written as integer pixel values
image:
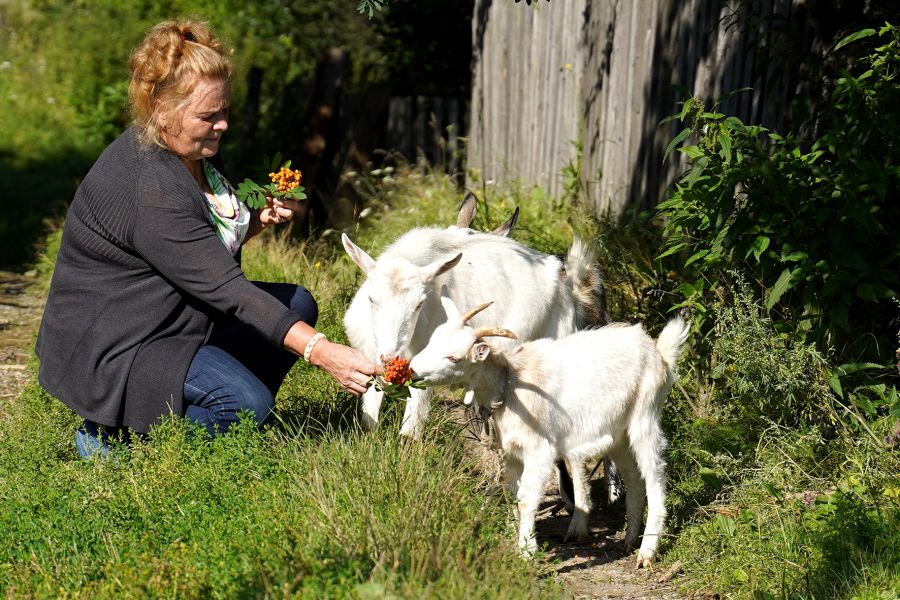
(397, 371)
(397, 380)
(286, 179)
(285, 184)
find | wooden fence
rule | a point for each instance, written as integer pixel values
(602, 74)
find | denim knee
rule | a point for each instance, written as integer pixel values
(303, 303)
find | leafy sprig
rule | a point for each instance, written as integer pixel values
(285, 184)
(398, 380)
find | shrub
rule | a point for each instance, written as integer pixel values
(816, 228)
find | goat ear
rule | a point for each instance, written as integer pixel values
(480, 351)
(441, 266)
(358, 255)
(467, 210)
(448, 304)
(506, 229)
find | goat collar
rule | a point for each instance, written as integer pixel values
(499, 399)
(489, 434)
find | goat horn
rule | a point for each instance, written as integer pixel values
(483, 332)
(474, 311)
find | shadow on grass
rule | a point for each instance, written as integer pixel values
(858, 541)
(34, 192)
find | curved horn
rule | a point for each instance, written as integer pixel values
(483, 332)
(474, 311)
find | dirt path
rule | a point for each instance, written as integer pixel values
(21, 306)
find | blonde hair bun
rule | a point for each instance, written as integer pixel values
(166, 66)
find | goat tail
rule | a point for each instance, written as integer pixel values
(586, 283)
(671, 341)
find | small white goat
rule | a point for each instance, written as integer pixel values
(397, 308)
(595, 392)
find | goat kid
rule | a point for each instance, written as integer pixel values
(595, 392)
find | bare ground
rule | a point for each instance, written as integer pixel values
(21, 306)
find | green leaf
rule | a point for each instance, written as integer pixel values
(847, 368)
(696, 172)
(796, 256)
(678, 139)
(864, 33)
(835, 383)
(696, 256)
(759, 245)
(710, 477)
(725, 141)
(781, 286)
(672, 250)
(693, 152)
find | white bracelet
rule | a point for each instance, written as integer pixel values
(315, 339)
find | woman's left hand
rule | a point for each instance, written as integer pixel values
(277, 210)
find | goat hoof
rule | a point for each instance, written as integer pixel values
(644, 561)
(577, 536)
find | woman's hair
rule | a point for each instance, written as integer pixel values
(173, 57)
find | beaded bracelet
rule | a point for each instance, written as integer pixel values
(315, 339)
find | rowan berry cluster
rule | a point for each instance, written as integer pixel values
(397, 371)
(286, 179)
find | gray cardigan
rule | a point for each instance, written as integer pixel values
(139, 278)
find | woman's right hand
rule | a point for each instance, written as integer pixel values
(349, 367)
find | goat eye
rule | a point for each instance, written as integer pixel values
(419, 305)
(372, 301)
(453, 359)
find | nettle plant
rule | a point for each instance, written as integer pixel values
(815, 225)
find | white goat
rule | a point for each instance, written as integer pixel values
(397, 308)
(595, 392)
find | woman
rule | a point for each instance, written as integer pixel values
(148, 312)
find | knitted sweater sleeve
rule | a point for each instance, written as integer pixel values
(172, 233)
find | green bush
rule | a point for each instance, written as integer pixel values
(813, 229)
(816, 228)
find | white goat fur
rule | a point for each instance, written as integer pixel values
(595, 392)
(397, 308)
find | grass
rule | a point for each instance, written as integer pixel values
(772, 497)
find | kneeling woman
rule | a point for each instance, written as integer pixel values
(149, 312)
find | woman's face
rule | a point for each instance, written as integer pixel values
(195, 131)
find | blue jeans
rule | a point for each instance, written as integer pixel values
(235, 371)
